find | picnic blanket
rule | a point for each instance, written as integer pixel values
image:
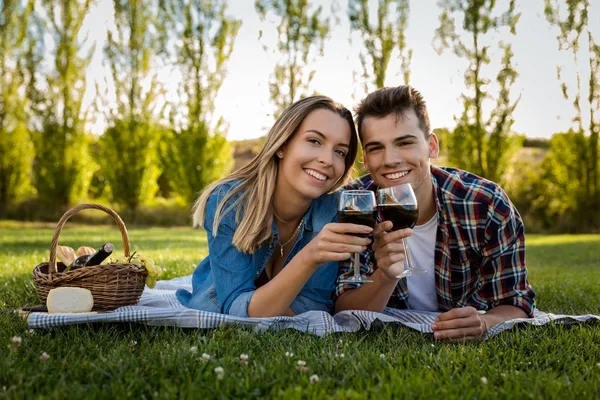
(160, 307)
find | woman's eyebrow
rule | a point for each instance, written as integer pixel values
(325, 137)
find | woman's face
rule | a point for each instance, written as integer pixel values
(313, 160)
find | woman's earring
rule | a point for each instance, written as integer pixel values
(280, 154)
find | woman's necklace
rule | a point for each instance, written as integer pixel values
(279, 218)
(281, 246)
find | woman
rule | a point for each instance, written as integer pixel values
(272, 238)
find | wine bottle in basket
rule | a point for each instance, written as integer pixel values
(88, 260)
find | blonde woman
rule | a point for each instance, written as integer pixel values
(273, 240)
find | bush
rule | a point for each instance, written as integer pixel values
(162, 212)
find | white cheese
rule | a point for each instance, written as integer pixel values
(69, 300)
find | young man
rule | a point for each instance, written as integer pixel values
(468, 234)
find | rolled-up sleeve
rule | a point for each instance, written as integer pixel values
(233, 271)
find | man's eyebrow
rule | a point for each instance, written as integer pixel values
(325, 137)
(372, 143)
(407, 136)
(397, 139)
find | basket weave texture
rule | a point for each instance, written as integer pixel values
(112, 285)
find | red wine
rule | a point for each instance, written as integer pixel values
(359, 218)
(402, 216)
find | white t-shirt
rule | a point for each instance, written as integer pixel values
(422, 293)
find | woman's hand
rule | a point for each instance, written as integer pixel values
(336, 242)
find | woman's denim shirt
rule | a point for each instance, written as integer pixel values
(224, 281)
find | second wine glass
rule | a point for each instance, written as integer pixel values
(357, 207)
(399, 205)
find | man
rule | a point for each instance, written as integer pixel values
(468, 234)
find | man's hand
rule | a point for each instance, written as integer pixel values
(388, 248)
(459, 325)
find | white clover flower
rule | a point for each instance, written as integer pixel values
(314, 378)
(205, 356)
(301, 366)
(484, 380)
(289, 354)
(220, 372)
(132, 344)
(244, 359)
(44, 356)
(16, 341)
(194, 349)
(30, 332)
(382, 356)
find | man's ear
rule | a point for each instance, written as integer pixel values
(434, 146)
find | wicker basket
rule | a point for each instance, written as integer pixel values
(112, 285)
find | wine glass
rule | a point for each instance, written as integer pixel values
(357, 207)
(399, 205)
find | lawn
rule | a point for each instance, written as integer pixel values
(127, 360)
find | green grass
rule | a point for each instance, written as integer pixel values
(127, 360)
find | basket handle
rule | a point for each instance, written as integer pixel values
(54, 245)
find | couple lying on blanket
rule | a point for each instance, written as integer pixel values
(276, 246)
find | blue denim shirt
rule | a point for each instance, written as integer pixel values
(224, 281)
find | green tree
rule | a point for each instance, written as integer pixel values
(61, 173)
(129, 146)
(575, 35)
(196, 151)
(301, 37)
(482, 145)
(16, 149)
(381, 39)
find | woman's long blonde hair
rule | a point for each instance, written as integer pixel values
(258, 177)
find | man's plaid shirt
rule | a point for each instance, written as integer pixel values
(479, 251)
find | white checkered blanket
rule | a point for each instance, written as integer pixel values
(160, 307)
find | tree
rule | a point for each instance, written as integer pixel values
(196, 151)
(129, 146)
(61, 172)
(16, 149)
(575, 35)
(382, 39)
(301, 36)
(483, 146)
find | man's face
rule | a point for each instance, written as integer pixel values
(396, 151)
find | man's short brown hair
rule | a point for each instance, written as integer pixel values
(396, 100)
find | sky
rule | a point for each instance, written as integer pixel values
(243, 100)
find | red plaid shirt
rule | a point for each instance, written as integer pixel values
(479, 251)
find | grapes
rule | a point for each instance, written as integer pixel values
(154, 271)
